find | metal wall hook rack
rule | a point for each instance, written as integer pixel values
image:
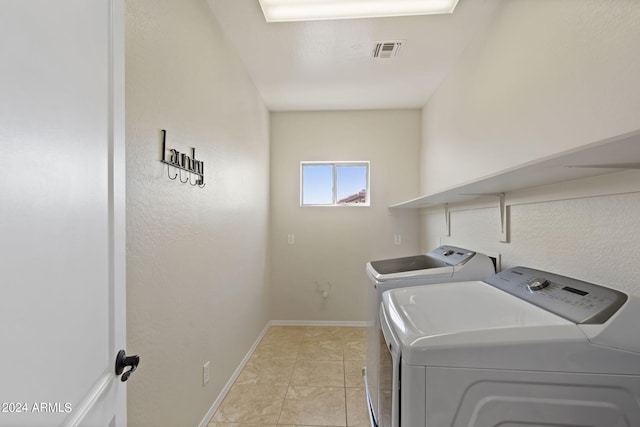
(183, 163)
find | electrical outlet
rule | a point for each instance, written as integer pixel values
(397, 239)
(291, 239)
(205, 373)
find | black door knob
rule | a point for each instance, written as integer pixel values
(123, 361)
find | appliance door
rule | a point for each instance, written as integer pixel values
(373, 350)
(439, 273)
(388, 375)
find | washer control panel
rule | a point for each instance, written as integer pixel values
(451, 255)
(575, 300)
(537, 284)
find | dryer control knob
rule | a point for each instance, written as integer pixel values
(537, 284)
(448, 252)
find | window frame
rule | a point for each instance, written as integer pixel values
(336, 164)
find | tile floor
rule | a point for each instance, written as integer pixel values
(300, 376)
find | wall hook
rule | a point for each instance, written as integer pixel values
(188, 176)
(169, 175)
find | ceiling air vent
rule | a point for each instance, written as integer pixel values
(387, 49)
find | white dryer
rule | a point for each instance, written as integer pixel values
(441, 265)
(522, 348)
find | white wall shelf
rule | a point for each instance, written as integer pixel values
(611, 155)
(602, 157)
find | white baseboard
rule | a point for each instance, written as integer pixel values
(316, 323)
(236, 373)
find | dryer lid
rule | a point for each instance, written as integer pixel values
(521, 319)
(439, 313)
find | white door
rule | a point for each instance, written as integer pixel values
(62, 253)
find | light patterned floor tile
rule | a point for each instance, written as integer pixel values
(305, 355)
(355, 333)
(239, 425)
(266, 371)
(315, 373)
(334, 333)
(321, 350)
(315, 406)
(275, 340)
(286, 331)
(277, 350)
(357, 414)
(251, 403)
(353, 373)
(286, 334)
(355, 350)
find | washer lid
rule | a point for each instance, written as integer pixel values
(446, 314)
(437, 263)
(410, 263)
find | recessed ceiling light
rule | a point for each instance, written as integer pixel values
(312, 10)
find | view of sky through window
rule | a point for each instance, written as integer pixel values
(350, 180)
(319, 188)
(317, 184)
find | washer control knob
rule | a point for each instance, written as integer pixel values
(448, 252)
(537, 284)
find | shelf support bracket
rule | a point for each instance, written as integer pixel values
(504, 214)
(447, 220)
(504, 219)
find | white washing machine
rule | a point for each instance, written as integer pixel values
(441, 265)
(522, 348)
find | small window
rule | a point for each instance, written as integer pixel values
(334, 183)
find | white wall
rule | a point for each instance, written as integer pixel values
(548, 76)
(555, 228)
(197, 271)
(333, 244)
(62, 257)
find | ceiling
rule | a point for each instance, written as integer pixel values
(329, 65)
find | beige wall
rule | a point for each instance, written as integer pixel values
(333, 244)
(548, 76)
(197, 273)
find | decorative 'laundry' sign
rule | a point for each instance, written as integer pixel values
(183, 162)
